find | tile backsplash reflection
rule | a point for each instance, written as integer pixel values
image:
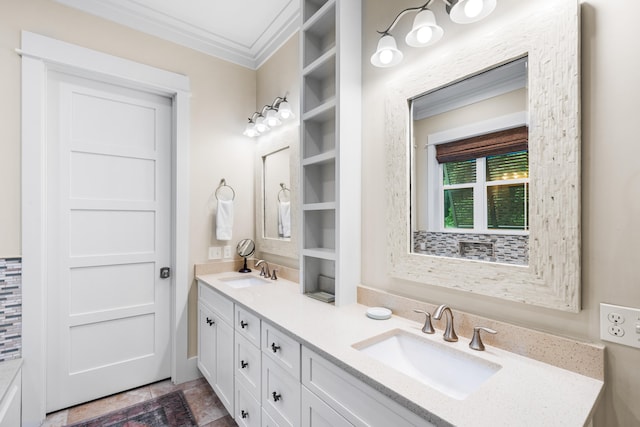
(10, 308)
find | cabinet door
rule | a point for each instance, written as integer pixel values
(316, 413)
(206, 343)
(10, 406)
(224, 364)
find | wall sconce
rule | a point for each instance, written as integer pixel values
(425, 30)
(269, 117)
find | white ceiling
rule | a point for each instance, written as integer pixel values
(245, 32)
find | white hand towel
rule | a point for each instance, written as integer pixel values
(284, 219)
(224, 220)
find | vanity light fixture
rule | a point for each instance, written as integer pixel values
(268, 117)
(425, 31)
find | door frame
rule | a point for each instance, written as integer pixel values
(39, 55)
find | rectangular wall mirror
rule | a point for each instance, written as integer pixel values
(464, 215)
(276, 193)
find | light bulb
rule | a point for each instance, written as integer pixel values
(473, 8)
(424, 34)
(285, 114)
(386, 56)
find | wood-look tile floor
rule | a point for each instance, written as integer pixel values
(205, 405)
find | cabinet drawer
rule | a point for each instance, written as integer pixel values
(316, 413)
(248, 411)
(280, 394)
(248, 324)
(356, 401)
(282, 349)
(220, 304)
(248, 365)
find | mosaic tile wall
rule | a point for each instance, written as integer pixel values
(506, 249)
(10, 308)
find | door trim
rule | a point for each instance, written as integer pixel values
(40, 55)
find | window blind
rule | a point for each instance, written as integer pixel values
(490, 144)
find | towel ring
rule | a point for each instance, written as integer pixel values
(223, 184)
(282, 192)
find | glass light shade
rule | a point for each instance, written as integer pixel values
(387, 53)
(261, 126)
(425, 31)
(468, 11)
(284, 111)
(272, 119)
(250, 130)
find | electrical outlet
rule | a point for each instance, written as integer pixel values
(620, 324)
(215, 252)
(227, 252)
(616, 330)
(615, 318)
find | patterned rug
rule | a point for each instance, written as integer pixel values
(170, 410)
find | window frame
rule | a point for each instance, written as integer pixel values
(435, 176)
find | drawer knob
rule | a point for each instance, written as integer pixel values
(243, 364)
(210, 322)
(244, 414)
(243, 324)
(276, 396)
(274, 347)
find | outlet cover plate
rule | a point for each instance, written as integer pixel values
(620, 324)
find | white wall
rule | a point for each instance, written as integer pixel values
(610, 197)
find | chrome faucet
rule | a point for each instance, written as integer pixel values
(449, 331)
(264, 270)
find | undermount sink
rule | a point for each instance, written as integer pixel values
(438, 365)
(238, 282)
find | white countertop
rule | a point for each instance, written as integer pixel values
(523, 392)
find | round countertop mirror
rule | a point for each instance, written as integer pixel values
(245, 248)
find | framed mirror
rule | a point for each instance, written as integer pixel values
(277, 193)
(547, 35)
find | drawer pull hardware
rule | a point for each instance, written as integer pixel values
(274, 347)
(244, 413)
(276, 396)
(243, 364)
(210, 322)
(243, 324)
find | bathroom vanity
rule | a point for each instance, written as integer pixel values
(300, 362)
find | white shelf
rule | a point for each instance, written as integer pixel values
(319, 206)
(321, 13)
(322, 112)
(320, 253)
(320, 158)
(321, 67)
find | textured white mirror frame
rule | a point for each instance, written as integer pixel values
(549, 34)
(267, 144)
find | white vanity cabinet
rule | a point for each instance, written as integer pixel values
(216, 342)
(354, 402)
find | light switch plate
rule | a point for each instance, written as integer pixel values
(620, 324)
(215, 252)
(226, 251)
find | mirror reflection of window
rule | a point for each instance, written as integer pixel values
(470, 168)
(277, 200)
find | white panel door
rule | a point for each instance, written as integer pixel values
(109, 216)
